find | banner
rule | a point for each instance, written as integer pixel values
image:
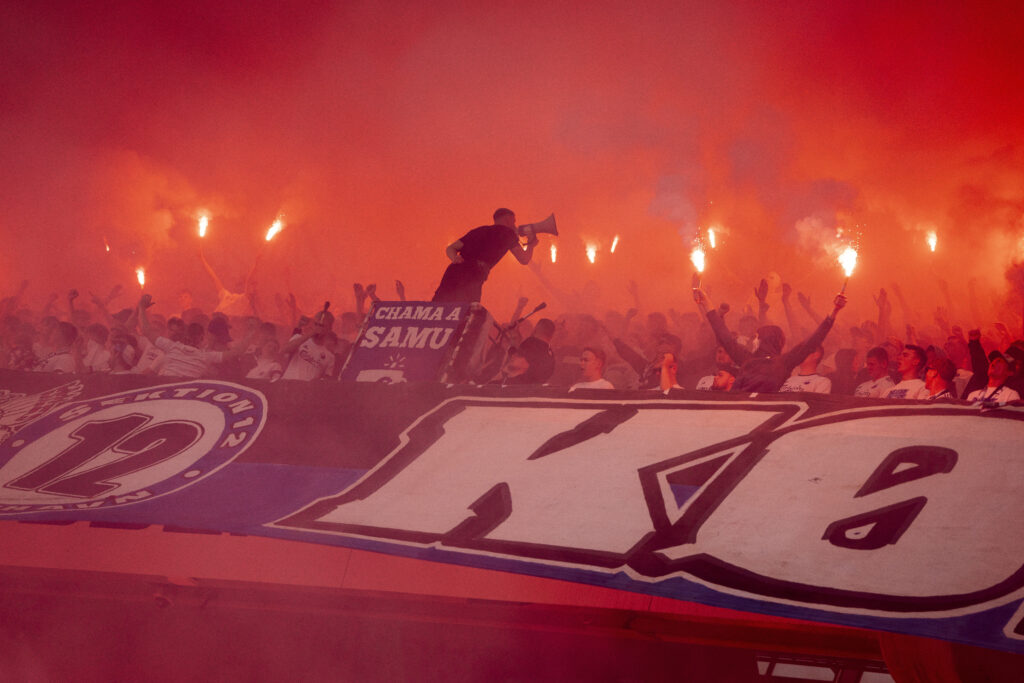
(899, 516)
(405, 341)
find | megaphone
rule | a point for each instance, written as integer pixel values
(545, 226)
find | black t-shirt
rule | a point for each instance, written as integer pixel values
(488, 244)
(542, 360)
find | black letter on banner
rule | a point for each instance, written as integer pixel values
(602, 423)
(872, 530)
(924, 461)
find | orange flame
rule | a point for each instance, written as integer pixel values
(848, 260)
(592, 252)
(554, 253)
(933, 239)
(203, 222)
(140, 275)
(106, 244)
(697, 258)
(615, 243)
(711, 237)
(276, 227)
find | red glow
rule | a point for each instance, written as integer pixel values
(422, 147)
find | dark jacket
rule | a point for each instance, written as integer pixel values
(765, 369)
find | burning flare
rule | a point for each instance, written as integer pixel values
(615, 243)
(591, 252)
(275, 228)
(848, 259)
(711, 237)
(697, 258)
(106, 244)
(140, 274)
(554, 253)
(203, 222)
(933, 239)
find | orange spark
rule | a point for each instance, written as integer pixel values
(615, 243)
(140, 275)
(554, 253)
(711, 237)
(591, 252)
(106, 244)
(933, 239)
(203, 222)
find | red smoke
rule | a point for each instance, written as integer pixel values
(382, 133)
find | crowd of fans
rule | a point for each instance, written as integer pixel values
(704, 349)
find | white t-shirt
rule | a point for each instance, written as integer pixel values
(58, 361)
(97, 358)
(186, 361)
(813, 383)
(310, 361)
(596, 384)
(151, 360)
(874, 388)
(705, 383)
(1003, 394)
(961, 379)
(266, 368)
(909, 389)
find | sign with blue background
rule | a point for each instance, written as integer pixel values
(405, 341)
(898, 516)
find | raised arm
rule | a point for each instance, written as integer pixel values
(252, 271)
(144, 303)
(361, 294)
(805, 303)
(739, 354)
(101, 306)
(216, 280)
(795, 355)
(794, 328)
(884, 314)
(304, 331)
(48, 308)
(761, 293)
(523, 254)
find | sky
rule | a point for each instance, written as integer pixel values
(383, 131)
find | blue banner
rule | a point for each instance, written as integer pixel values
(899, 516)
(405, 341)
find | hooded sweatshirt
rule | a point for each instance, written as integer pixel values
(766, 368)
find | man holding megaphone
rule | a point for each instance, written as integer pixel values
(474, 254)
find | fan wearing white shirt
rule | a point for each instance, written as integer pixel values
(806, 377)
(996, 393)
(592, 361)
(910, 366)
(879, 382)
